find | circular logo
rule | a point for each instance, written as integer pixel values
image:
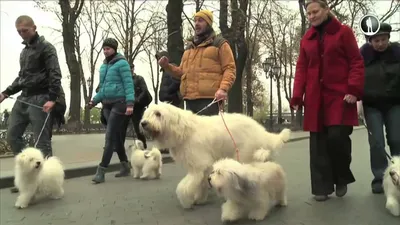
(369, 25)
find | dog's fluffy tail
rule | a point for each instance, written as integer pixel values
(53, 167)
(276, 141)
(263, 155)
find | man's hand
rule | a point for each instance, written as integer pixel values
(221, 95)
(163, 62)
(129, 110)
(48, 106)
(295, 107)
(350, 99)
(2, 97)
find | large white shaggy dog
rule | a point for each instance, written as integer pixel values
(391, 185)
(36, 177)
(198, 141)
(146, 164)
(249, 189)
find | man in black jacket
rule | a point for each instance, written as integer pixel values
(169, 88)
(142, 100)
(39, 79)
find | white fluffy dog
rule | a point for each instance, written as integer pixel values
(36, 177)
(199, 141)
(249, 189)
(146, 164)
(391, 185)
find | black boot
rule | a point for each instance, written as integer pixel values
(125, 170)
(99, 176)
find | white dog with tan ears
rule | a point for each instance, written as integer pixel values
(198, 141)
(249, 189)
(391, 185)
(37, 177)
(146, 164)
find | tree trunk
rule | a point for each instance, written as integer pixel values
(174, 23)
(69, 19)
(238, 25)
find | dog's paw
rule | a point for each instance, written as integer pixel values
(393, 206)
(20, 205)
(257, 215)
(144, 177)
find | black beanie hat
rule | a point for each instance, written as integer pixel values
(385, 28)
(111, 42)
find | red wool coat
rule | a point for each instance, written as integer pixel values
(326, 71)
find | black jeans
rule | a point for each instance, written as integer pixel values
(22, 115)
(115, 117)
(198, 104)
(330, 159)
(136, 117)
(376, 118)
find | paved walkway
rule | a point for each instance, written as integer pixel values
(81, 150)
(128, 201)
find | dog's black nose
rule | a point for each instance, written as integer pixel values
(38, 163)
(144, 123)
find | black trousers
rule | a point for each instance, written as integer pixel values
(198, 104)
(330, 159)
(136, 117)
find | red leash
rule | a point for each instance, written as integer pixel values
(221, 112)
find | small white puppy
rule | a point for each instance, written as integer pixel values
(36, 177)
(146, 164)
(391, 185)
(249, 189)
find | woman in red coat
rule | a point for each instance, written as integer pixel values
(330, 78)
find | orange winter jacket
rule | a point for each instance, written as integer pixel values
(205, 68)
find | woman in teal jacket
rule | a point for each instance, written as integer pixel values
(116, 93)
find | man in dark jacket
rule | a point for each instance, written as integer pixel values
(39, 80)
(142, 100)
(169, 88)
(381, 100)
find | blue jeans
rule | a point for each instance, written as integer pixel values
(376, 119)
(116, 119)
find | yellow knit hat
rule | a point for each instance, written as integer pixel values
(207, 15)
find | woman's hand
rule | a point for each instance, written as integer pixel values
(129, 110)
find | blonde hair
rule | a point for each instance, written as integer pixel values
(322, 3)
(24, 19)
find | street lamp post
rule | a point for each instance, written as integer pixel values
(267, 66)
(89, 82)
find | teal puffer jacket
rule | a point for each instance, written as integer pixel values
(116, 82)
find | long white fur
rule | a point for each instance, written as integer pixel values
(198, 141)
(146, 164)
(249, 189)
(36, 177)
(391, 185)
